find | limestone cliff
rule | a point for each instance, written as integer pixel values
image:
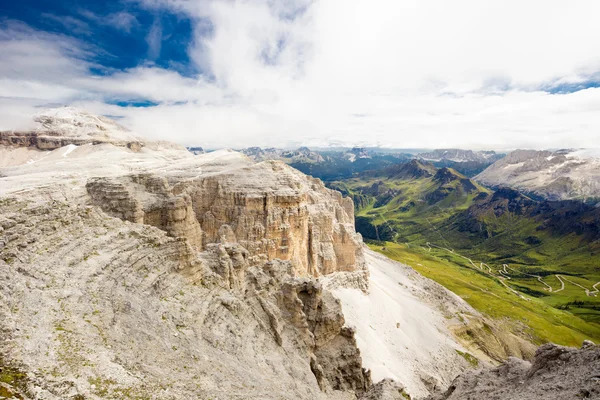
(148, 273)
(97, 307)
(270, 209)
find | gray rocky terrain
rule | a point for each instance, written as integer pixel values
(555, 372)
(555, 175)
(146, 272)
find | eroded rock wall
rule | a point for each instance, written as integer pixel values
(271, 210)
(147, 199)
(98, 307)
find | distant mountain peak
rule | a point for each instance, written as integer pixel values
(446, 175)
(413, 169)
(460, 155)
(559, 175)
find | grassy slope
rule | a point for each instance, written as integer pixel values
(490, 297)
(416, 222)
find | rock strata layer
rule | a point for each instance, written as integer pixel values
(271, 210)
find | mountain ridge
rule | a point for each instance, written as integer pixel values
(556, 175)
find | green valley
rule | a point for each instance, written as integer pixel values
(508, 255)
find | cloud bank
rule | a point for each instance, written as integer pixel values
(282, 73)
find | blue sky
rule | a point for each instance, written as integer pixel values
(402, 73)
(123, 34)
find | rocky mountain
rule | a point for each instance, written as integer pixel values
(555, 175)
(467, 162)
(302, 154)
(357, 153)
(556, 371)
(62, 126)
(328, 164)
(459, 155)
(135, 269)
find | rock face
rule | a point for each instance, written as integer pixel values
(147, 199)
(559, 175)
(556, 372)
(387, 389)
(81, 293)
(153, 273)
(270, 209)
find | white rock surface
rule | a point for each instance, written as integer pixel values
(559, 175)
(78, 123)
(107, 289)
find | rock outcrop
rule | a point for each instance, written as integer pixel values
(82, 292)
(271, 210)
(387, 389)
(153, 273)
(555, 372)
(147, 199)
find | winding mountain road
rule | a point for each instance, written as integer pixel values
(588, 292)
(504, 274)
(500, 278)
(562, 287)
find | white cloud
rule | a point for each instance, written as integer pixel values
(122, 20)
(72, 24)
(402, 73)
(154, 39)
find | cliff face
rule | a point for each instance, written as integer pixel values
(150, 273)
(98, 307)
(271, 210)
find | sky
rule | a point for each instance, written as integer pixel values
(284, 73)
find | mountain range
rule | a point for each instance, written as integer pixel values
(329, 164)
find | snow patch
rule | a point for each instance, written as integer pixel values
(68, 148)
